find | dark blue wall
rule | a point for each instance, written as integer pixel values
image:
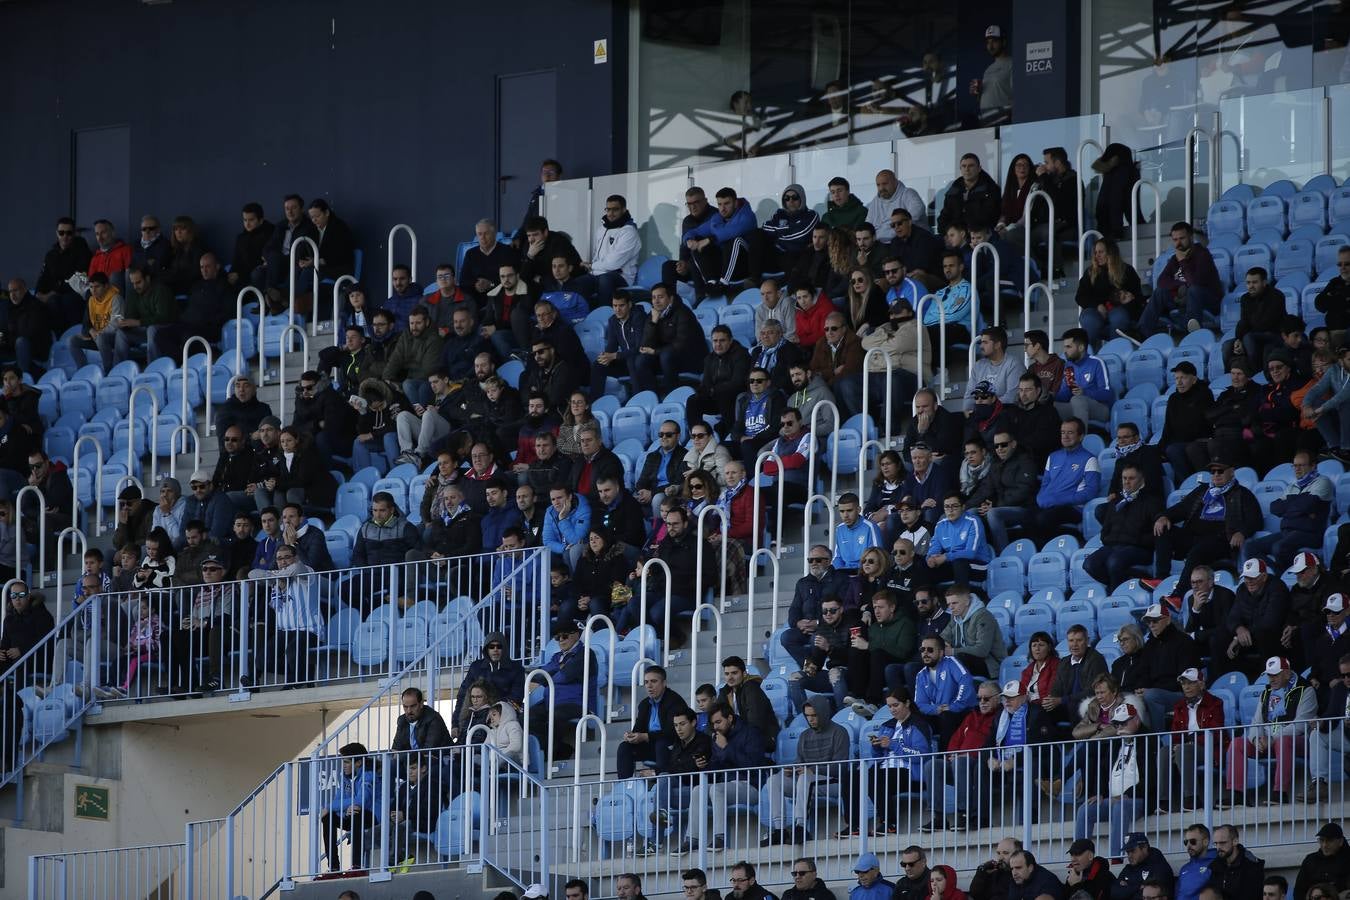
(386, 108)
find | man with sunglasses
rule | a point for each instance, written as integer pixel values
(1334, 299)
(68, 255)
(805, 884)
(498, 669)
(789, 229)
(26, 623)
(1195, 875)
(549, 375)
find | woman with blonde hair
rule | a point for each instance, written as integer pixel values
(866, 306)
(1109, 293)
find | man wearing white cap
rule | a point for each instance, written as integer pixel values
(1012, 733)
(1116, 777)
(1255, 623)
(1197, 710)
(1330, 644)
(1307, 596)
(995, 89)
(1277, 730)
(209, 506)
(1164, 656)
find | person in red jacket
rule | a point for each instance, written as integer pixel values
(812, 309)
(962, 766)
(1040, 672)
(112, 255)
(1196, 711)
(738, 501)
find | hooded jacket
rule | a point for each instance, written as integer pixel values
(825, 742)
(977, 634)
(507, 735)
(712, 460)
(791, 231)
(615, 248)
(1119, 172)
(849, 214)
(1130, 883)
(507, 677)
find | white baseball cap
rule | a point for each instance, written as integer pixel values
(1124, 713)
(1191, 674)
(1335, 603)
(1012, 688)
(1276, 664)
(534, 891)
(993, 31)
(1305, 560)
(1254, 568)
(1156, 611)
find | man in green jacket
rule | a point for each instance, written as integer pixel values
(878, 660)
(844, 210)
(416, 354)
(148, 303)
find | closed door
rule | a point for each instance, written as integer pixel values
(527, 133)
(101, 180)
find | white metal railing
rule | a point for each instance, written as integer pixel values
(1048, 279)
(294, 264)
(714, 610)
(920, 336)
(78, 472)
(587, 634)
(281, 363)
(1085, 183)
(178, 438)
(724, 526)
(889, 394)
(1211, 137)
(39, 566)
(975, 295)
(239, 325)
(131, 433)
(389, 266)
(338, 336)
(184, 407)
(79, 545)
(146, 871)
(1134, 220)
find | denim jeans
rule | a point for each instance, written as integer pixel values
(1101, 327)
(1162, 310)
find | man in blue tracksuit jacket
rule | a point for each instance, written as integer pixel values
(1195, 875)
(944, 690)
(853, 535)
(727, 232)
(352, 806)
(1085, 390)
(1071, 478)
(958, 543)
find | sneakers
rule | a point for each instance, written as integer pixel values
(848, 831)
(775, 837)
(960, 822)
(412, 457)
(1192, 326)
(864, 709)
(718, 842)
(110, 693)
(934, 824)
(660, 818)
(799, 835)
(1317, 791)
(646, 848)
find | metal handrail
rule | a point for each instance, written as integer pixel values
(1134, 221)
(183, 408)
(693, 642)
(552, 720)
(834, 449)
(975, 295)
(772, 559)
(389, 244)
(239, 325)
(576, 775)
(1083, 184)
(639, 666)
(19, 542)
(131, 430)
(755, 485)
(698, 552)
(811, 500)
(586, 633)
(98, 480)
(922, 332)
(281, 363)
(294, 265)
(337, 287)
(890, 373)
(642, 598)
(185, 431)
(78, 550)
(1188, 144)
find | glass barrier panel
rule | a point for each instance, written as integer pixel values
(656, 202)
(928, 164)
(761, 181)
(1271, 137)
(1339, 95)
(813, 169)
(567, 206)
(1033, 137)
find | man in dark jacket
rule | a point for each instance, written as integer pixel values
(386, 537)
(70, 254)
(1131, 449)
(1258, 327)
(26, 623)
(1030, 880)
(1168, 652)
(1218, 518)
(689, 751)
(623, 337)
(595, 464)
(250, 244)
(1127, 519)
(1334, 299)
(1252, 631)
(653, 734)
(614, 509)
(1329, 863)
(738, 750)
(416, 805)
(497, 668)
(25, 327)
(540, 247)
(549, 375)
(1009, 491)
(971, 199)
(805, 884)
(1089, 872)
(812, 269)
(1236, 871)
(934, 425)
(1304, 509)
(419, 727)
(1188, 289)
(1187, 420)
(820, 581)
(324, 414)
(1142, 863)
(1208, 607)
(661, 468)
(725, 371)
(1073, 679)
(790, 229)
(918, 249)
(742, 692)
(243, 409)
(462, 344)
(671, 341)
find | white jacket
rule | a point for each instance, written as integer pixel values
(508, 736)
(879, 210)
(616, 249)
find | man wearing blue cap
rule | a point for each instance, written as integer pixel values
(870, 886)
(1142, 863)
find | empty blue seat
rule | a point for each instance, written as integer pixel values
(1338, 206)
(1226, 217)
(1047, 570)
(1266, 211)
(1146, 366)
(1251, 256)
(1294, 256)
(1308, 208)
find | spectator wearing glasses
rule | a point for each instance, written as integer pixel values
(68, 255)
(790, 229)
(805, 884)
(547, 374)
(133, 516)
(719, 252)
(1333, 300)
(661, 468)
(1330, 647)
(756, 408)
(1219, 517)
(442, 302)
(205, 628)
(322, 413)
(616, 246)
(26, 623)
(495, 666)
(1008, 491)
(812, 590)
(1326, 869)
(943, 688)
(958, 544)
(824, 654)
(838, 356)
(793, 448)
(706, 453)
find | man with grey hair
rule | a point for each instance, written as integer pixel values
(596, 463)
(480, 271)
